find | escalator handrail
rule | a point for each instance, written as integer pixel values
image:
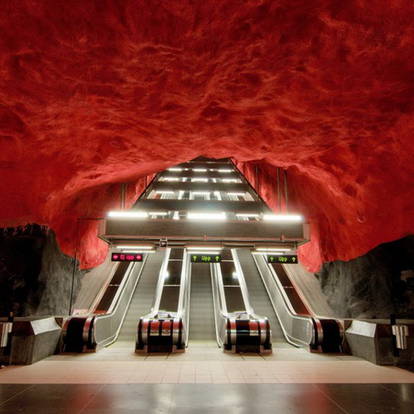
(242, 283)
(288, 308)
(184, 299)
(111, 337)
(218, 300)
(160, 286)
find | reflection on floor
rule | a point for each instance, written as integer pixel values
(202, 363)
(208, 398)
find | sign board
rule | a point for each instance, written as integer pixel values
(205, 258)
(127, 257)
(283, 259)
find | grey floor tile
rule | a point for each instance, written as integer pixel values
(366, 398)
(51, 398)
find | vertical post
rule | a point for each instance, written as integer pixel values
(256, 178)
(286, 190)
(74, 267)
(123, 195)
(279, 193)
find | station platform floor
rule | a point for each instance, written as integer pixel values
(205, 380)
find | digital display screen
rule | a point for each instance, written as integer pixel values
(205, 258)
(127, 257)
(285, 259)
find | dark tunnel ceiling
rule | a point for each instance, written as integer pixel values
(101, 92)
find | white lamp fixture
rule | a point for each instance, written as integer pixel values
(157, 213)
(175, 169)
(127, 214)
(199, 169)
(135, 247)
(252, 215)
(199, 180)
(236, 194)
(230, 180)
(206, 216)
(273, 249)
(201, 248)
(293, 218)
(165, 192)
(170, 178)
(224, 170)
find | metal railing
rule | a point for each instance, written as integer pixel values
(298, 330)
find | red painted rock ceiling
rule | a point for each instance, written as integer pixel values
(96, 93)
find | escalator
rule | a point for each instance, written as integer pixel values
(201, 326)
(143, 297)
(258, 295)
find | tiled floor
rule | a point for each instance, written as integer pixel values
(202, 363)
(208, 398)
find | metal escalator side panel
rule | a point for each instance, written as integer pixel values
(160, 284)
(242, 282)
(298, 330)
(106, 327)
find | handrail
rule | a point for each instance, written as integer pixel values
(242, 283)
(185, 297)
(160, 285)
(298, 330)
(111, 322)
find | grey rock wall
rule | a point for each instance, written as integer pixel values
(35, 276)
(374, 285)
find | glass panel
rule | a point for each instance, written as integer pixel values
(234, 299)
(229, 274)
(173, 274)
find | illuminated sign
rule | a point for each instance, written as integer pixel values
(205, 258)
(284, 259)
(127, 257)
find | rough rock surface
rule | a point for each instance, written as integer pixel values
(370, 286)
(96, 93)
(35, 276)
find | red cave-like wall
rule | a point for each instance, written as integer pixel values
(98, 93)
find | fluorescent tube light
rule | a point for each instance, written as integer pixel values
(236, 194)
(199, 169)
(157, 213)
(170, 178)
(165, 192)
(175, 169)
(203, 193)
(273, 249)
(212, 252)
(135, 247)
(224, 170)
(199, 180)
(230, 180)
(283, 217)
(253, 215)
(215, 248)
(206, 216)
(128, 214)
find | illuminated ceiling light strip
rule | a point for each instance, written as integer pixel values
(271, 249)
(127, 214)
(273, 253)
(213, 252)
(224, 171)
(236, 194)
(170, 178)
(254, 215)
(283, 217)
(199, 180)
(126, 251)
(200, 193)
(214, 248)
(199, 169)
(230, 180)
(165, 192)
(206, 216)
(175, 169)
(135, 247)
(157, 213)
